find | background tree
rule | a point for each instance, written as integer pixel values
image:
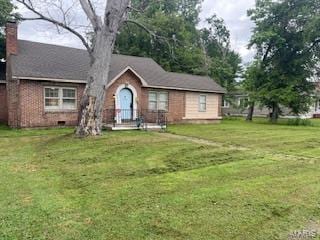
(6, 9)
(287, 40)
(185, 48)
(224, 63)
(253, 78)
(179, 48)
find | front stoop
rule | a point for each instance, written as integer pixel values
(124, 127)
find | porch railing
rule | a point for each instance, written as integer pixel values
(135, 118)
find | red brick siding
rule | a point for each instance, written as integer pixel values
(3, 104)
(33, 114)
(126, 78)
(11, 39)
(176, 98)
(13, 102)
(176, 108)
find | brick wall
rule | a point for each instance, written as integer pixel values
(11, 38)
(126, 78)
(176, 98)
(32, 112)
(3, 104)
(176, 108)
(13, 103)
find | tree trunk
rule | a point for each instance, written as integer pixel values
(250, 112)
(275, 113)
(92, 102)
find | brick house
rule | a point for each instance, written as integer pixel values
(44, 84)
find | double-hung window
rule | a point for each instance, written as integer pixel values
(60, 98)
(202, 103)
(158, 101)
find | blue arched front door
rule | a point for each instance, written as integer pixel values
(126, 104)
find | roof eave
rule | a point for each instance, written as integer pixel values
(49, 79)
(144, 84)
(188, 89)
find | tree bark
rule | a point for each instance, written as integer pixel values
(275, 113)
(92, 102)
(250, 112)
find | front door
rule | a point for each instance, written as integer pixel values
(126, 104)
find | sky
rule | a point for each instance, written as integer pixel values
(234, 12)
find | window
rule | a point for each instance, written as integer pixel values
(243, 102)
(225, 104)
(153, 101)
(57, 98)
(158, 101)
(68, 98)
(202, 103)
(318, 104)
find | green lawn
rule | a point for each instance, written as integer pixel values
(235, 180)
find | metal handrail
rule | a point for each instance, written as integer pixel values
(140, 118)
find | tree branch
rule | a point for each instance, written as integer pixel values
(141, 26)
(30, 7)
(91, 14)
(152, 34)
(317, 41)
(267, 52)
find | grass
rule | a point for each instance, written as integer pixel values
(255, 181)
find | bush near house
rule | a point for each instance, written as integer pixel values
(236, 180)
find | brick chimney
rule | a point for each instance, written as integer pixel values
(11, 38)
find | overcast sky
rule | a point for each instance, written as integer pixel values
(234, 12)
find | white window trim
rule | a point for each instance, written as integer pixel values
(242, 99)
(60, 99)
(226, 104)
(157, 93)
(199, 101)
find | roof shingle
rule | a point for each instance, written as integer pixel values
(39, 60)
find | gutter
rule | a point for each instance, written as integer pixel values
(147, 86)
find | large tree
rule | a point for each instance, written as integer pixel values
(103, 31)
(287, 37)
(6, 9)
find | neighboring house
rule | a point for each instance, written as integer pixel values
(44, 84)
(239, 107)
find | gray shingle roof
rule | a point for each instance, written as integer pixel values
(39, 60)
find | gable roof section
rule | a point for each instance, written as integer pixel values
(41, 61)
